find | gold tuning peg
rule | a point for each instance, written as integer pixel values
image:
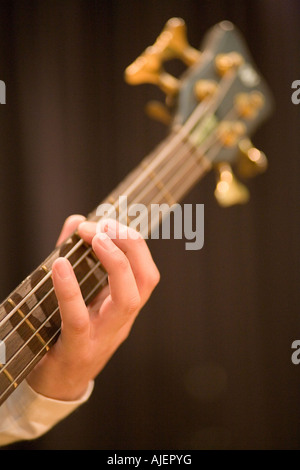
(147, 69)
(230, 132)
(229, 190)
(251, 161)
(226, 62)
(248, 104)
(205, 89)
(172, 42)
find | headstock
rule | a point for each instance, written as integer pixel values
(220, 100)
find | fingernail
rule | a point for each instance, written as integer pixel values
(63, 268)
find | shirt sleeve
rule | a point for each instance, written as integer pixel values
(27, 415)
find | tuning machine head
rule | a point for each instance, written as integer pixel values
(248, 105)
(218, 102)
(227, 62)
(172, 42)
(148, 67)
(205, 89)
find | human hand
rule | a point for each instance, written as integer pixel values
(90, 335)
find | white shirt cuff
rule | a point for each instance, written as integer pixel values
(27, 414)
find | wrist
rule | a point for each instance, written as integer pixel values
(56, 386)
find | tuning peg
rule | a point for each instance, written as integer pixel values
(251, 161)
(229, 132)
(205, 89)
(229, 190)
(172, 42)
(248, 104)
(156, 110)
(147, 68)
(226, 62)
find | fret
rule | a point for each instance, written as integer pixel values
(21, 370)
(28, 322)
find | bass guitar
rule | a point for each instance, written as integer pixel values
(211, 111)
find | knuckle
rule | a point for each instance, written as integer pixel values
(138, 238)
(76, 327)
(155, 277)
(70, 218)
(133, 305)
(125, 334)
(70, 294)
(74, 218)
(135, 236)
(152, 279)
(79, 327)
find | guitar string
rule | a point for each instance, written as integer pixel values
(83, 280)
(192, 150)
(185, 130)
(84, 255)
(50, 317)
(97, 286)
(175, 161)
(52, 289)
(192, 121)
(74, 266)
(89, 294)
(101, 282)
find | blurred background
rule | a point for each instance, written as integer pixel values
(208, 363)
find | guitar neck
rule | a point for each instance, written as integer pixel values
(219, 100)
(29, 318)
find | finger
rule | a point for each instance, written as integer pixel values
(133, 246)
(74, 314)
(70, 225)
(124, 294)
(87, 230)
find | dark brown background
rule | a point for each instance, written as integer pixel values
(208, 364)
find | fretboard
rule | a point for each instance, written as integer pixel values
(29, 317)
